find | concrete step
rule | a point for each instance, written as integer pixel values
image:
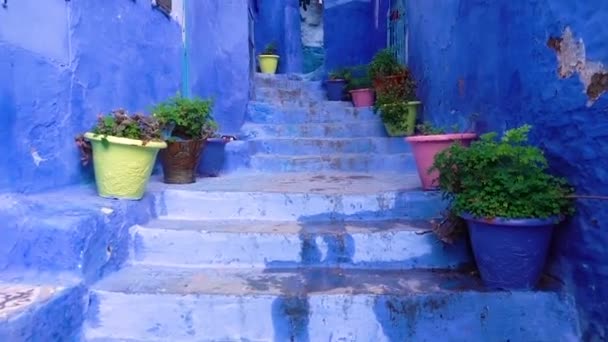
(40, 307)
(286, 96)
(355, 129)
(378, 244)
(172, 304)
(329, 146)
(287, 82)
(343, 162)
(82, 235)
(300, 197)
(313, 112)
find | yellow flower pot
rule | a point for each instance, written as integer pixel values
(269, 63)
(122, 166)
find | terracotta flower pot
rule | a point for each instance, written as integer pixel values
(426, 147)
(180, 160)
(362, 97)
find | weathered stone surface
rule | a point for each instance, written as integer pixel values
(492, 58)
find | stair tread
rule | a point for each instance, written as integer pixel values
(332, 155)
(143, 279)
(328, 139)
(334, 183)
(291, 227)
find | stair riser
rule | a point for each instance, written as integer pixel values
(55, 314)
(285, 82)
(402, 250)
(355, 163)
(322, 112)
(282, 95)
(322, 147)
(177, 204)
(324, 317)
(370, 128)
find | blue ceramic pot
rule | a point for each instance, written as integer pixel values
(335, 89)
(510, 254)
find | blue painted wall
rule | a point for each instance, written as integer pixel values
(492, 57)
(79, 59)
(279, 21)
(218, 52)
(352, 33)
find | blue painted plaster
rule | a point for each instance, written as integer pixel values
(79, 59)
(218, 54)
(492, 57)
(352, 34)
(57, 318)
(85, 235)
(278, 21)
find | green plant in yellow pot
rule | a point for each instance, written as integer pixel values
(269, 59)
(124, 148)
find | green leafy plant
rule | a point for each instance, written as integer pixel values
(341, 74)
(362, 82)
(270, 49)
(120, 124)
(505, 178)
(186, 118)
(427, 128)
(396, 114)
(384, 64)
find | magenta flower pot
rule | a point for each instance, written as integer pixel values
(362, 97)
(425, 147)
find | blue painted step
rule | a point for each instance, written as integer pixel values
(355, 129)
(283, 96)
(287, 82)
(72, 230)
(173, 304)
(313, 112)
(351, 162)
(310, 146)
(381, 244)
(34, 307)
(300, 197)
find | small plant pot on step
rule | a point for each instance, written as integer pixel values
(426, 147)
(180, 161)
(362, 97)
(395, 83)
(335, 89)
(122, 166)
(269, 63)
(510, 253)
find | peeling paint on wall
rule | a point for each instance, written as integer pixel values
(571, 58)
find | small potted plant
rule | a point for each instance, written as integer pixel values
(361, 91)
(399, 118)
(124, 149)
(336, 84)
(269, 59)
(187, 124)
(388, 74)
(502, 189)
(430, 141)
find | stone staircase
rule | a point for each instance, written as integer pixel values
(325, 240)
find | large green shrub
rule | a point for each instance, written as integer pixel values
(505, 178)
(186, 118)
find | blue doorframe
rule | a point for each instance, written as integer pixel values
(397, 33)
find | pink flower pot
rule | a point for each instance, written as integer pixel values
(363, 97)
(425, 147)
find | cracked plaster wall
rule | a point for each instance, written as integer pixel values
(62, 63)
(498, 58)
